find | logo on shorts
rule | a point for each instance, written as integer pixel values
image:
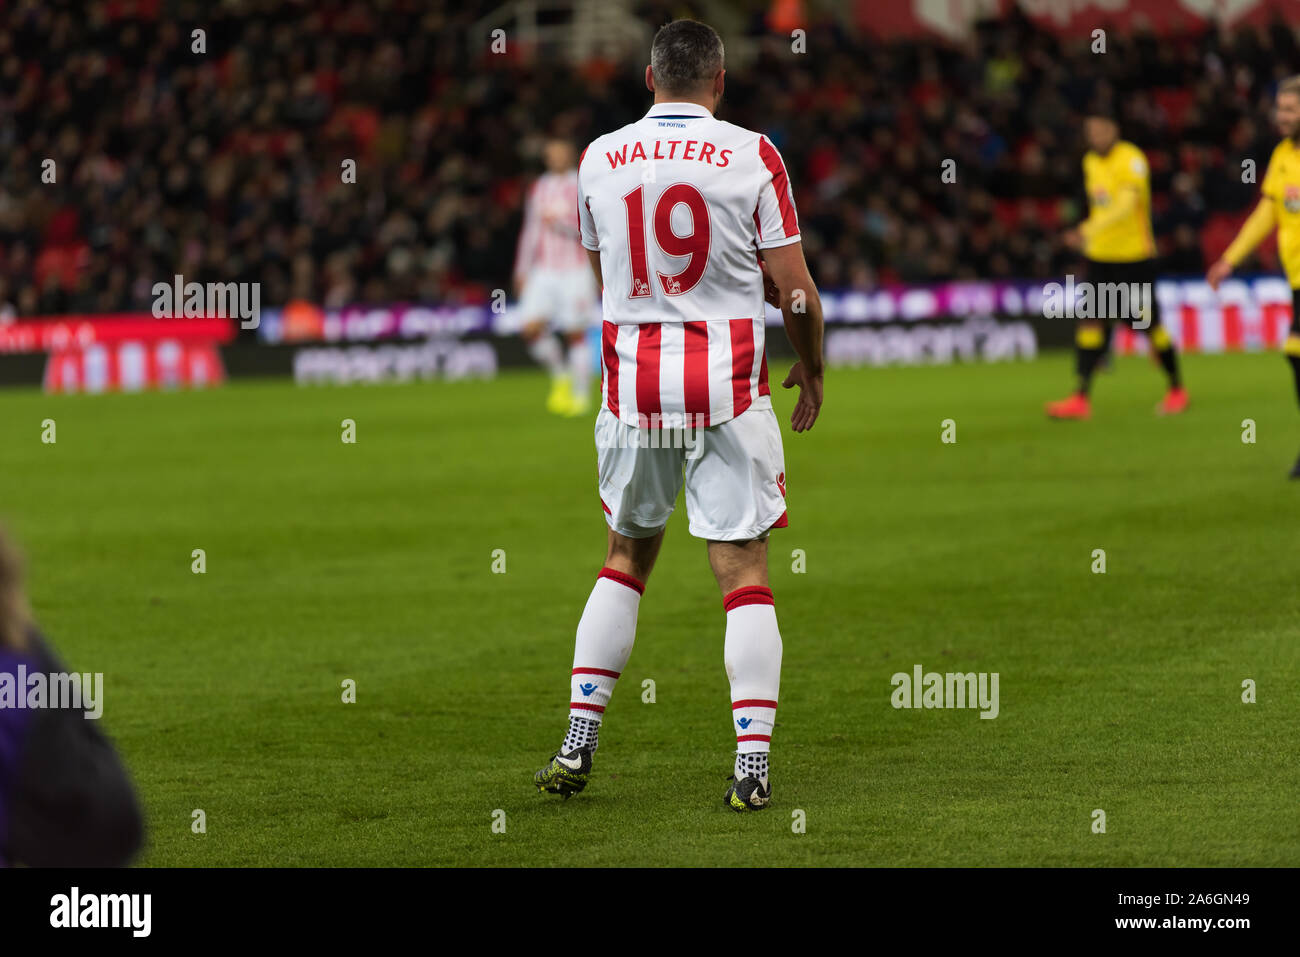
(780, 483)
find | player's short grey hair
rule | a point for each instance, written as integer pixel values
(685, 55)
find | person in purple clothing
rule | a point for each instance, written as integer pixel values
(65, 798)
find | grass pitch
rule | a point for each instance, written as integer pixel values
(372, 561)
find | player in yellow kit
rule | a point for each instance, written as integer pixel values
(1279, 206)
(1120, 247)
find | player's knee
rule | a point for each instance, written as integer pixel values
(739, 564)
(634, 556)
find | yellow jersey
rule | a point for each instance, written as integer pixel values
(1282, 186)
(1118, 227)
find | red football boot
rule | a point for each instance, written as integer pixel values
(1175, 401)
(1075, 407)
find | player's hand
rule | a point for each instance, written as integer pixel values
(770, 292)
(810, 397)
(1220, 271)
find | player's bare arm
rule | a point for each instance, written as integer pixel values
(1218, 272)
(801, 308)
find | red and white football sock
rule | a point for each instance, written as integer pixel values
(604, 642)
(752, 653)
(580, 367)
(546, 352)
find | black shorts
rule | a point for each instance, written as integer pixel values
(1295, 312)
(1143, 271)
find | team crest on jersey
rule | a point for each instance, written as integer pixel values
(1291, 199)
(1101, 198)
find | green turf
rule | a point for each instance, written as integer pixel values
(328, 561)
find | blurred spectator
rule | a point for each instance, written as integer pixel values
(65, 799)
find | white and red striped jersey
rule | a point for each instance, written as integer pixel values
(678, 203)
(549, 239)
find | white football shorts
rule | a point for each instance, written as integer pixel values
(563, 298)
(734, 475)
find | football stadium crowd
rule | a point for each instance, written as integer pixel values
(228, 164)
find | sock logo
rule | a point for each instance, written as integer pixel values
(744, 722)
(586, 689)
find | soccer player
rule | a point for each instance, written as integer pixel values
(676, 211)
(554, 282)
(1117, 241)
(1279, 206)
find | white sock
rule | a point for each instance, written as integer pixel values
(752, 653)
(545, 350)
(580, 367)
(583, 733)
(601, 649)
(751, 764)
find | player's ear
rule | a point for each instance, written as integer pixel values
(649, 80)
(719, 82)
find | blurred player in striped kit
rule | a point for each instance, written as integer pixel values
(553, 280)
(1279, 206)
(1120, 247)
